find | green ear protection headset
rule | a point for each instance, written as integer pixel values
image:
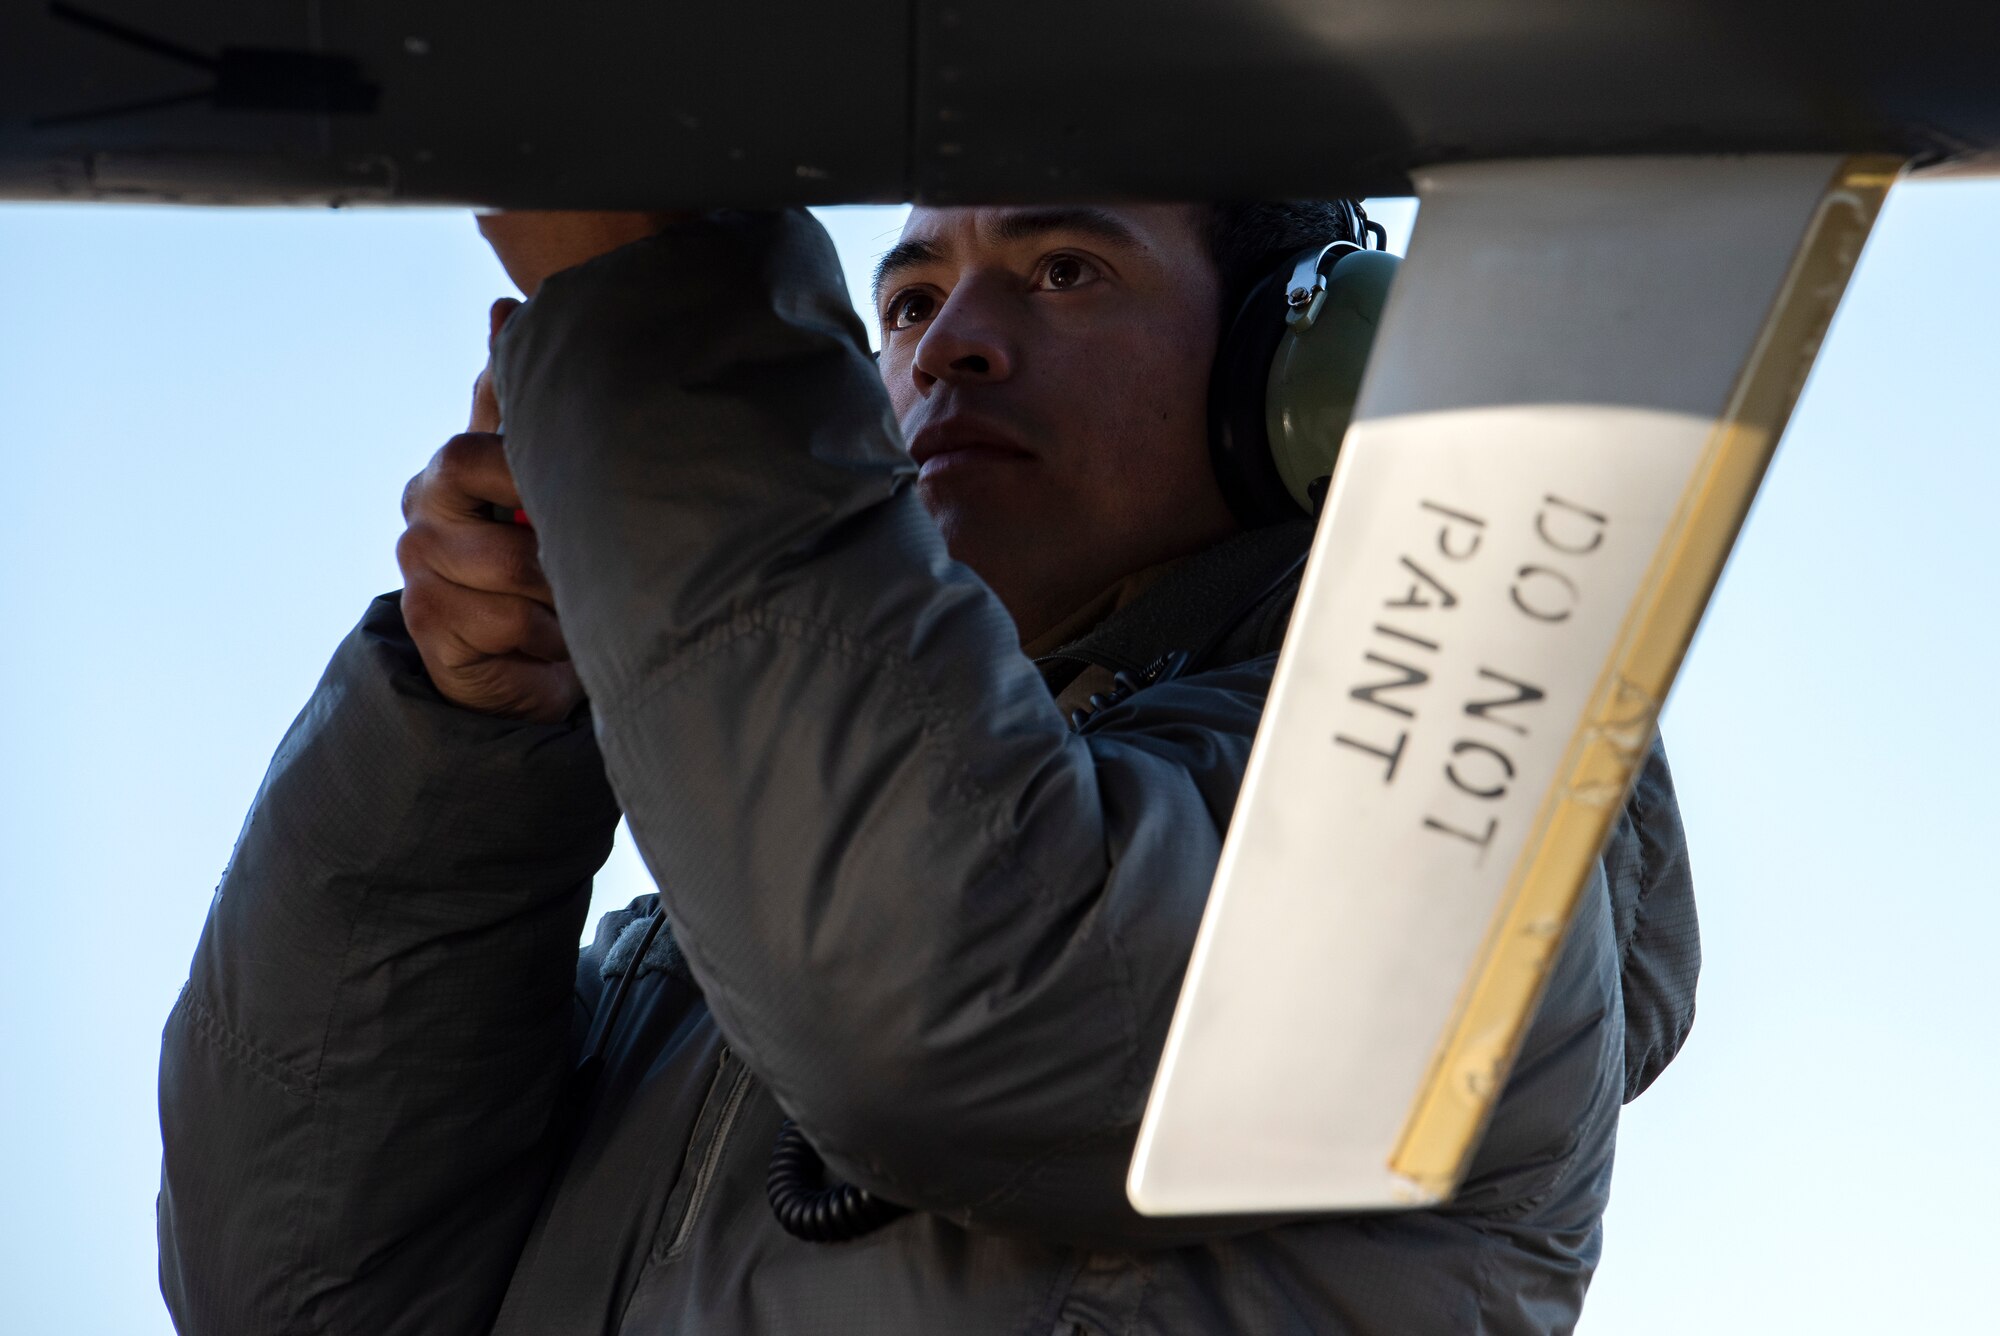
(1287, 371)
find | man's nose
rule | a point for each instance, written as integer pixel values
(966, 342)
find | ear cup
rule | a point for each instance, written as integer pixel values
(1316, 374)
(1281, 393)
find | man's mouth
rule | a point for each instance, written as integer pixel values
(962, 442)
(969, 456)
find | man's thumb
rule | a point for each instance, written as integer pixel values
(485, 403)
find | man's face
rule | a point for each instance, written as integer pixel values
(1049, 367)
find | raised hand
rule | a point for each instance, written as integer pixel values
(474, 597)
(531, 244)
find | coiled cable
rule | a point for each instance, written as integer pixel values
(813, 1208)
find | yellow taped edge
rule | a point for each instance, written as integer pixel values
(1604, 755)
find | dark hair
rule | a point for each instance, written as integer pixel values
(1247, 239)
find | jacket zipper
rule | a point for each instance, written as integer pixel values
(711, 1155)
(1124, 685)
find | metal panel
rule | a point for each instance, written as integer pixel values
(625, 103)
(534, 105)
(1183, 98)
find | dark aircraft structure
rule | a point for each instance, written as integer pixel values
(766, 102)
(1638, 217)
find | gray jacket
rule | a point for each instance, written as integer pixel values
(911, 908)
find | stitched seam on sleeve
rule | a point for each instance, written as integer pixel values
(245, 1052)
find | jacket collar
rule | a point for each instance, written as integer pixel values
(1182, 605)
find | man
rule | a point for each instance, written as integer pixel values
(906, 903)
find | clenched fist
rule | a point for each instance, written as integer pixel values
(474, 597)
(532, 244)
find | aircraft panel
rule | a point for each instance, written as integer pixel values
(532, 105)
(760, 102)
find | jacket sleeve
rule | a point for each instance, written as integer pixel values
(355, 1082)
(947, 932)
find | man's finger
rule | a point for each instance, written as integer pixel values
(455, 627)
(466, 476)
(485, 400)
(532, 244)
(494, 558)
(499, 625)
(497, 316)
(542, 693)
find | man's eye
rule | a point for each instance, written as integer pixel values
(909, 308)
(1063, 272)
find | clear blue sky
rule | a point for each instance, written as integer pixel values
(206, 419)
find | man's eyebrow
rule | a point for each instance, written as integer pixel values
(901, 256)
(1021, 225)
